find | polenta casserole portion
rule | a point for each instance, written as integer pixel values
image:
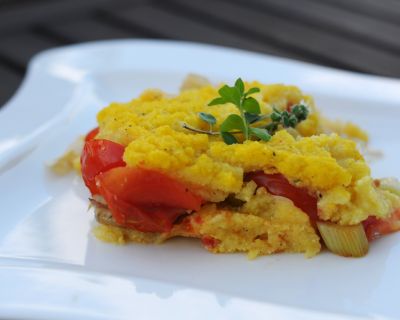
(248, 168)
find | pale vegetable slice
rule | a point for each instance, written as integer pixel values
(390, 184)
(194, 81)
(347, 241)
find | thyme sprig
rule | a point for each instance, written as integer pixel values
(287, 119)
(249, 116)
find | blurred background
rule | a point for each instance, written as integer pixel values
(357, 35)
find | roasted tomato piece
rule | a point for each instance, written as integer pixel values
(210, 242)
(375, 228)
(147, 200)
(99, 156)
(278, 185)
(92, 134)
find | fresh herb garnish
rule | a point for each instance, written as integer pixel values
(249, 114)
(249, 110)
(209, 118)
(287, 119)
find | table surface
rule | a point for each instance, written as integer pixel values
(358, 35)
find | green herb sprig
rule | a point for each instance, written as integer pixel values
(249, 110)
(287, 119)
(249, 115)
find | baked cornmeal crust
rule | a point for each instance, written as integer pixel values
(320, 155)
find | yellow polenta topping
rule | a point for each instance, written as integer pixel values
(318, 156)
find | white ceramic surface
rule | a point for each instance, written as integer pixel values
(51, 266)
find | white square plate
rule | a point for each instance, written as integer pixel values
(52, 267)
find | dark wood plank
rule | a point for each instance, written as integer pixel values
(347, 23)
(40, 11)
(386, 10)
(19, 47)
(165, 24)
(89, 28)
(6, 4)
(304, 39)
(10, 81)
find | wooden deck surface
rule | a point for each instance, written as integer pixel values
(358, 35)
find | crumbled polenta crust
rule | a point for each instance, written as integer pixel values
(320, 157)
(70, 160)
(119, 235)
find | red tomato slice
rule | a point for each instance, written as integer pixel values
(99, 156)
(91, 134)
(375, 228)
(144, 199)
(278, 185)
